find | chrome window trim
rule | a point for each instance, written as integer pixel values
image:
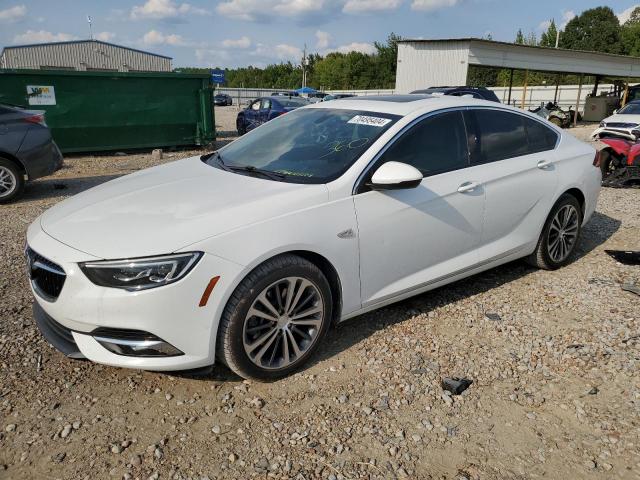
(358, 183)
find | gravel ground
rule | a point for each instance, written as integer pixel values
(553, 356)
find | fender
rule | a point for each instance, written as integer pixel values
(618, 145)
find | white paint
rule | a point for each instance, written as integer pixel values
(41, 94)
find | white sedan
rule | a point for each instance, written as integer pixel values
(623, 123)
(248, 255)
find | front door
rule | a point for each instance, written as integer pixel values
(411, 238)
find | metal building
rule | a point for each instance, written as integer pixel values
(83, 55)
(431, 63)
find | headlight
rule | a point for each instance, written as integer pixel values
(140, 273)
(602, 124)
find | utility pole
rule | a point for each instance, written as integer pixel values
(304, 66)
(90, 29)
(557, 38)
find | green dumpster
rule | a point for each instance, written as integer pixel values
(96, 111)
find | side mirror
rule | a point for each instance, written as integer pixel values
(395, 176)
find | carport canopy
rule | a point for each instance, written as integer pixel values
(431, 63)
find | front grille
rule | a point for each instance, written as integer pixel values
(621, 125)
(46, 276)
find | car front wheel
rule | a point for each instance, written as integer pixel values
(275, 319)
(559, 236)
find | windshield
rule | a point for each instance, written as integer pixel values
(292, 102)
(630, 109)
(309, 145)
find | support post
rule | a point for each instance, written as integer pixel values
(575, 114)
(595, 86)
(555, 95)
(626, 93)
(524, 89)
(510, 86)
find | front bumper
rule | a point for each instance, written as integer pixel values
(602, 132)
(76, 320)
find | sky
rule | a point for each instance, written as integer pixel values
(233, 33)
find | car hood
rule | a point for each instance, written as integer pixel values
(165, 208)
(622, 118)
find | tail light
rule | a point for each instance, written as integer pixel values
(37, 118)
(596, 159)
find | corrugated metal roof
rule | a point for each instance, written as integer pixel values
(84, 41)
(518, 45)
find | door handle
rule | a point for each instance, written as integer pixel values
(467, 187)
(544, 164)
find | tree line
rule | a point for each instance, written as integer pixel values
(597, 29)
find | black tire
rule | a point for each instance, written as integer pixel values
(230, 347)
(607, 158)
(541, 256)
(11, 173)
(242, 129)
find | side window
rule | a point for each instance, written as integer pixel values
(499, 135)
(255, 105)
(435, 145)
(541, 138)
(266, 104)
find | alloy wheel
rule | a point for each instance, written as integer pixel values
(8, 182)
(283, 323)
(563, 233)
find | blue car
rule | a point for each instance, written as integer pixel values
(264, 109)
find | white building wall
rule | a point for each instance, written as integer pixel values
(423, 65)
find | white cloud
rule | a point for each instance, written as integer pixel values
(154, 37)
(625, 15)
(262, 10)
(164, 10)
(282, 52)
(242, 42)
(42, 36)
(104, 36)
(323, 39)
(212, 57)
(357, 47)
(567, 16)
(365, 6)
(430, 5)
(13, 14)
(544, 26)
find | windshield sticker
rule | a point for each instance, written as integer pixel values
(371, 121)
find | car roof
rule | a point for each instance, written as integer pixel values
(394, 104)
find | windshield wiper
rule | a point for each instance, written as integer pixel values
(253, 170)
(245, 168)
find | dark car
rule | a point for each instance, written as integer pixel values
(222, 99)
(285, 94)
(476, 92)
(27, 150)
(264, 109)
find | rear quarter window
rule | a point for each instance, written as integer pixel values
(541, 138)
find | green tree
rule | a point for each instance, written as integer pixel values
(630, 36)
(596, 30)
(548, 38)
(520, 37)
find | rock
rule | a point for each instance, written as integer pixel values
(136, 460)
(232, 457)
(156, 154)
(168, 396)
(216, 429)
(158, 453)
(116, 448)
(11, 427)
(66, 431)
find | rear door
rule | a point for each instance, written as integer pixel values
(513, 156)
(252, 113)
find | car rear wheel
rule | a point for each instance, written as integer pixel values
(275, 319)
(11, 181)
(559, 236)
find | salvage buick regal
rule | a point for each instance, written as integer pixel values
(249, 254)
